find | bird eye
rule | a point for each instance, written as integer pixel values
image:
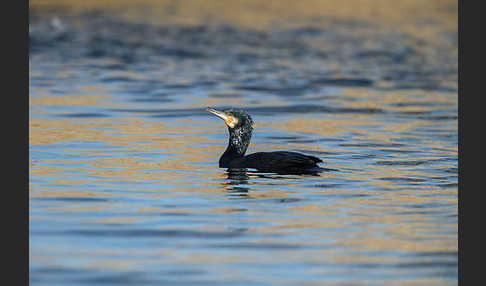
(232, 121)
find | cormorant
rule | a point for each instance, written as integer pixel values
(240, 127)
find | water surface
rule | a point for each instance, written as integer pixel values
(124, 182)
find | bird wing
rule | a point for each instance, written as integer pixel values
(278, 160)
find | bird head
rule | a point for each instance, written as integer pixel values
(232, 117)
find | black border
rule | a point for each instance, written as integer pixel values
(15, 95)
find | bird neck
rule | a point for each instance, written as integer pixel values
(238, 142)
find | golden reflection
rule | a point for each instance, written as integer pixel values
(261, 15)
(83, 100)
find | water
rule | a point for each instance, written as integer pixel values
(124, 183)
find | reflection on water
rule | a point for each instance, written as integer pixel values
(237, 183)
(124, 180)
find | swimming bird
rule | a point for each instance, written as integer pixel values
(240, 127)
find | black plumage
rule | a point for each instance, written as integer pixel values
(240, 127)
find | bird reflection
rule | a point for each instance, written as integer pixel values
(236, 178)
(237, 183)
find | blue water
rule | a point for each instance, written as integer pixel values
(124, 182)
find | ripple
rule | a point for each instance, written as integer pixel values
(399, 163)
(345, 82)
(84, 115)
(71, 199)
(155, 233)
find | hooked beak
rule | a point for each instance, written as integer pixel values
(218, 113)
(228, 119)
